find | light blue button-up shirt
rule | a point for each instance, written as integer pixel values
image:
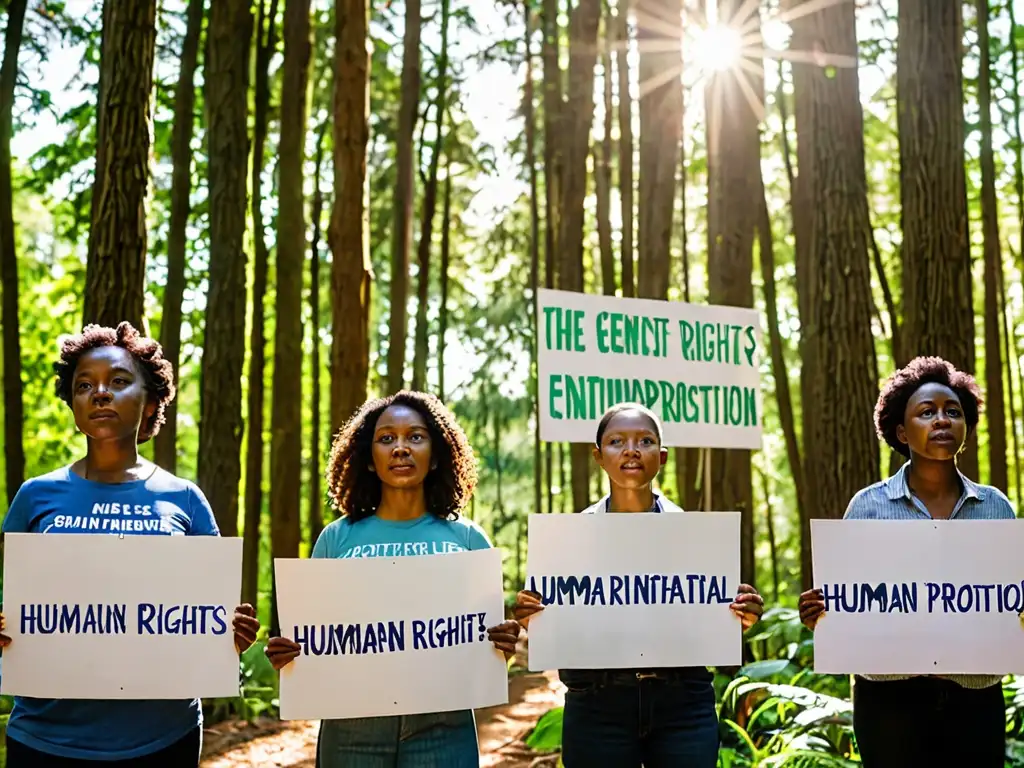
(892, 499)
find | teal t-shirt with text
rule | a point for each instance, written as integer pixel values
(374, 537)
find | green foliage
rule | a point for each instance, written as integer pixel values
(259, 691)
(546, 736)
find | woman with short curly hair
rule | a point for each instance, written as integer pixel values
(118, 386)
(926, 411)
(400, 472)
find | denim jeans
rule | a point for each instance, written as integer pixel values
(436, 740)
(623, 721)
(927, 722)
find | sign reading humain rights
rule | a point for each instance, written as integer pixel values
(695, 365)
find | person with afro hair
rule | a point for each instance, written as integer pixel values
(117, 385)
(926, 411)
(400, 473)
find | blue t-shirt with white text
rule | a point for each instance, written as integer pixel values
(64, 502)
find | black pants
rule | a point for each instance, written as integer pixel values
(626, 722)
(926, 722)
(183, 753)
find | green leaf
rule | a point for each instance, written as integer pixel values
(547, 735)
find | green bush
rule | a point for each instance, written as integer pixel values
(259, 691)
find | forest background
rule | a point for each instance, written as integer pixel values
(371, 193)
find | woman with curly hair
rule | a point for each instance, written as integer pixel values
(118, 385)
(926, 411)
(400, 472)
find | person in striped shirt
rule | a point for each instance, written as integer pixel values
(926, 411)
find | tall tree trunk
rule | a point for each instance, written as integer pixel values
(687, 460)
(115, 275)
(347, 236)
(625, 147)
(799, 215)
(14, 450)
(421, 348)
(938, 309)
(165, 451)
(779, 370)
(266, 42)
(800, 184)
(553, 108)
(401, 228)
(563, 498)
(226, 78)
(316, 512)
(995, 405)
(575, 128)
(442, 319)
(531, 164)
(1009, 348)
(603, 167)
(770, 530)
(890, 303)
(840, 448)
(1010, 339)
(1018, 143)
(659, 38)
(734, 165)
(286, 401)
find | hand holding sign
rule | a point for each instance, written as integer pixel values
(504, 637)
(281, 652)
(748, 606)
(4, 639)
(812, 607)
(246, 626)
(527, 604)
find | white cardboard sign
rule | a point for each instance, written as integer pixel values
(695, 365)
(120, 617)
(634, 591)
(919, 597)
(391, 635)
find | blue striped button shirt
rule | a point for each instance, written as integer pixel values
(892, 499)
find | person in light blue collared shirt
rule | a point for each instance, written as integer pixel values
(926, 411)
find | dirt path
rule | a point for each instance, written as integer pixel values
(273, 744)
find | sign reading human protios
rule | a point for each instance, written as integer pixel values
(625, 591)
(694, 365)
(120, 617)
(919, 597)
(391, 635)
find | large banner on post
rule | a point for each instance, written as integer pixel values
(625, 591)
(391, 635)
(695, 365)
(919, 597)
(120, 617)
